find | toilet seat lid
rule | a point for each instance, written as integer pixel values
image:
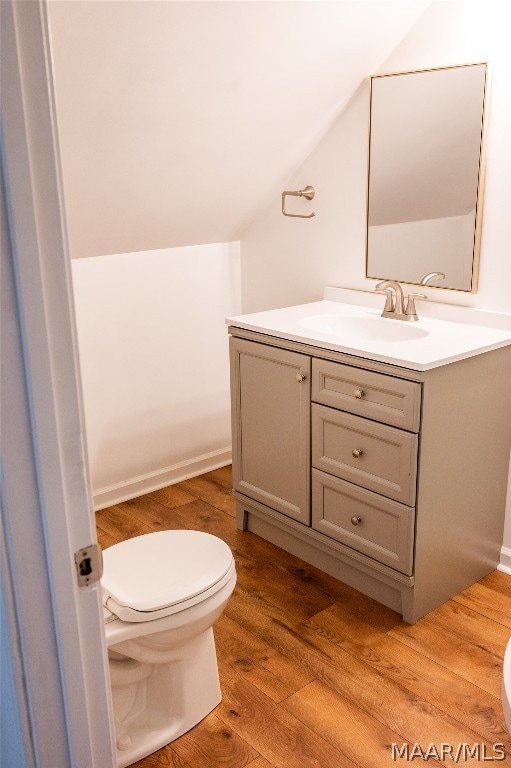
(162, 569)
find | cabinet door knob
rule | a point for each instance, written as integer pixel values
(359, 394)
(300, 377)
(357, 452)
(356, 520)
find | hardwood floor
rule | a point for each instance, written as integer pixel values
(315, 674)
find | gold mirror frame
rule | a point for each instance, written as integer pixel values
(398, 201)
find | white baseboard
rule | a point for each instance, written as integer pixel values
(505, 560)
(137, 486)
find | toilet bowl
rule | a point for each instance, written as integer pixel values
(162, 592)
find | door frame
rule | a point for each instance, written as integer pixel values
(54, 628)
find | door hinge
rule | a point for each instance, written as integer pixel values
(89, 565)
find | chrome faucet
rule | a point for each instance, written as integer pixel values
(396, 306)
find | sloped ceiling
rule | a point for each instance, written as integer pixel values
(179, 121)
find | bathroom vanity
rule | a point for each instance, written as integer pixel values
(382, 461)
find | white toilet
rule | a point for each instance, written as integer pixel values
(162, 592)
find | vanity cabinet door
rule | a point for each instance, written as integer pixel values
(270, 395)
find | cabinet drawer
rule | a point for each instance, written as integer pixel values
(365, 393)
(363, 520)
(378, 457)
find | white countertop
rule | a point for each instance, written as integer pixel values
(435, 341)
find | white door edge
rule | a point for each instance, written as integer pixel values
(55, 629)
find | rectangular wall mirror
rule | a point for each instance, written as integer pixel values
(425, 177)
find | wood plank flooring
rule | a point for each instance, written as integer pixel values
(315, 674)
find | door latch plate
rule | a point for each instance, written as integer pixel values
(89, 565)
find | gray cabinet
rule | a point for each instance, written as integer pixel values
(392, 480)
(270, 390)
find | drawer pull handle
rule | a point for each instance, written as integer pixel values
(359, 394)
(357, 453)
(300, 377)
(356, 520)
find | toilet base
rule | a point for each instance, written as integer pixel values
(164, 701)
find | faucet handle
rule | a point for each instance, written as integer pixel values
(389, 301)
(411, 312)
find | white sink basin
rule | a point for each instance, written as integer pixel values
(363, 328)
(359, 330)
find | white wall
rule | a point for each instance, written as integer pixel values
(287, 261)
(154, 360)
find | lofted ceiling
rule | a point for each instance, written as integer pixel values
(180, 121)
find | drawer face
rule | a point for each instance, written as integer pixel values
(377, 527)
(366, 393)
(375, 456)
